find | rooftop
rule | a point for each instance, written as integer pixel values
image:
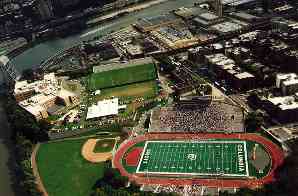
(103, 108)
(286, 79)
(188, 13)
(226, 27)
(245, 16)
(4, 60)
(284, 103)
(209, 16)
(236, 2)
(156, 20)
(290, 82)
(244, 75)
(42, 94)
(48, 85)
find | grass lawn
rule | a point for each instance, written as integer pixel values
(104, 145)
(64, 171)
(143, 89)
(123, 76)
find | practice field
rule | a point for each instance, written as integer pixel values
(143, 89)
(198, 158)
(122, 76)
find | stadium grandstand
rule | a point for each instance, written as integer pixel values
(198, 116)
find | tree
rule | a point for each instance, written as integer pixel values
(253, 121)
(266, 5)
(99, 192)
(24, 124)
(112, 183)
(28, 74)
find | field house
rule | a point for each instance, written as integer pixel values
(218, 160)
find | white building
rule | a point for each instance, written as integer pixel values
(40, 97)
(288, 83)
(109, 107)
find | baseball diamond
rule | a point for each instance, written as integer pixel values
(205, 158)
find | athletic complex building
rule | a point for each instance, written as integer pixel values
(208, 159)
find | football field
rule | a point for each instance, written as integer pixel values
(195, 158)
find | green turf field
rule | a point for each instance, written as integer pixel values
(147, 89)
(64, 171)
(200, 158)
(118, 77)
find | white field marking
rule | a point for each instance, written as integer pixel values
(142, 156)
(195, 142)
(236, 164)
(213, 157)
(246, 160)
(194, 174)
(222, 157)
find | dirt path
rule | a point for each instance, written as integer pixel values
(39, 183)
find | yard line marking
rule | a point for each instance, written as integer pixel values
(236, 164)
(246, 160)
(222, 158)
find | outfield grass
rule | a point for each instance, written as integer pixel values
(143, 89)
(64, 171)
(123, 76)
(106, 145)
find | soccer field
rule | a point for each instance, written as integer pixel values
(199, 158)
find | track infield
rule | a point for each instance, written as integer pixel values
(199, 158)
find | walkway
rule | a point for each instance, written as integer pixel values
(35, 171)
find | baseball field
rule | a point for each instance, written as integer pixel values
(63, 169)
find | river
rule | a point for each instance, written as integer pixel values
(34, 56)
(6, 157)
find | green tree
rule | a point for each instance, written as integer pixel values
(253, 121)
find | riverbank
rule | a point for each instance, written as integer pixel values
(7, 164)
(40, 52)
(128, 10)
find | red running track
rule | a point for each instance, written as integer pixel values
(133, 157)
(276, 154)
